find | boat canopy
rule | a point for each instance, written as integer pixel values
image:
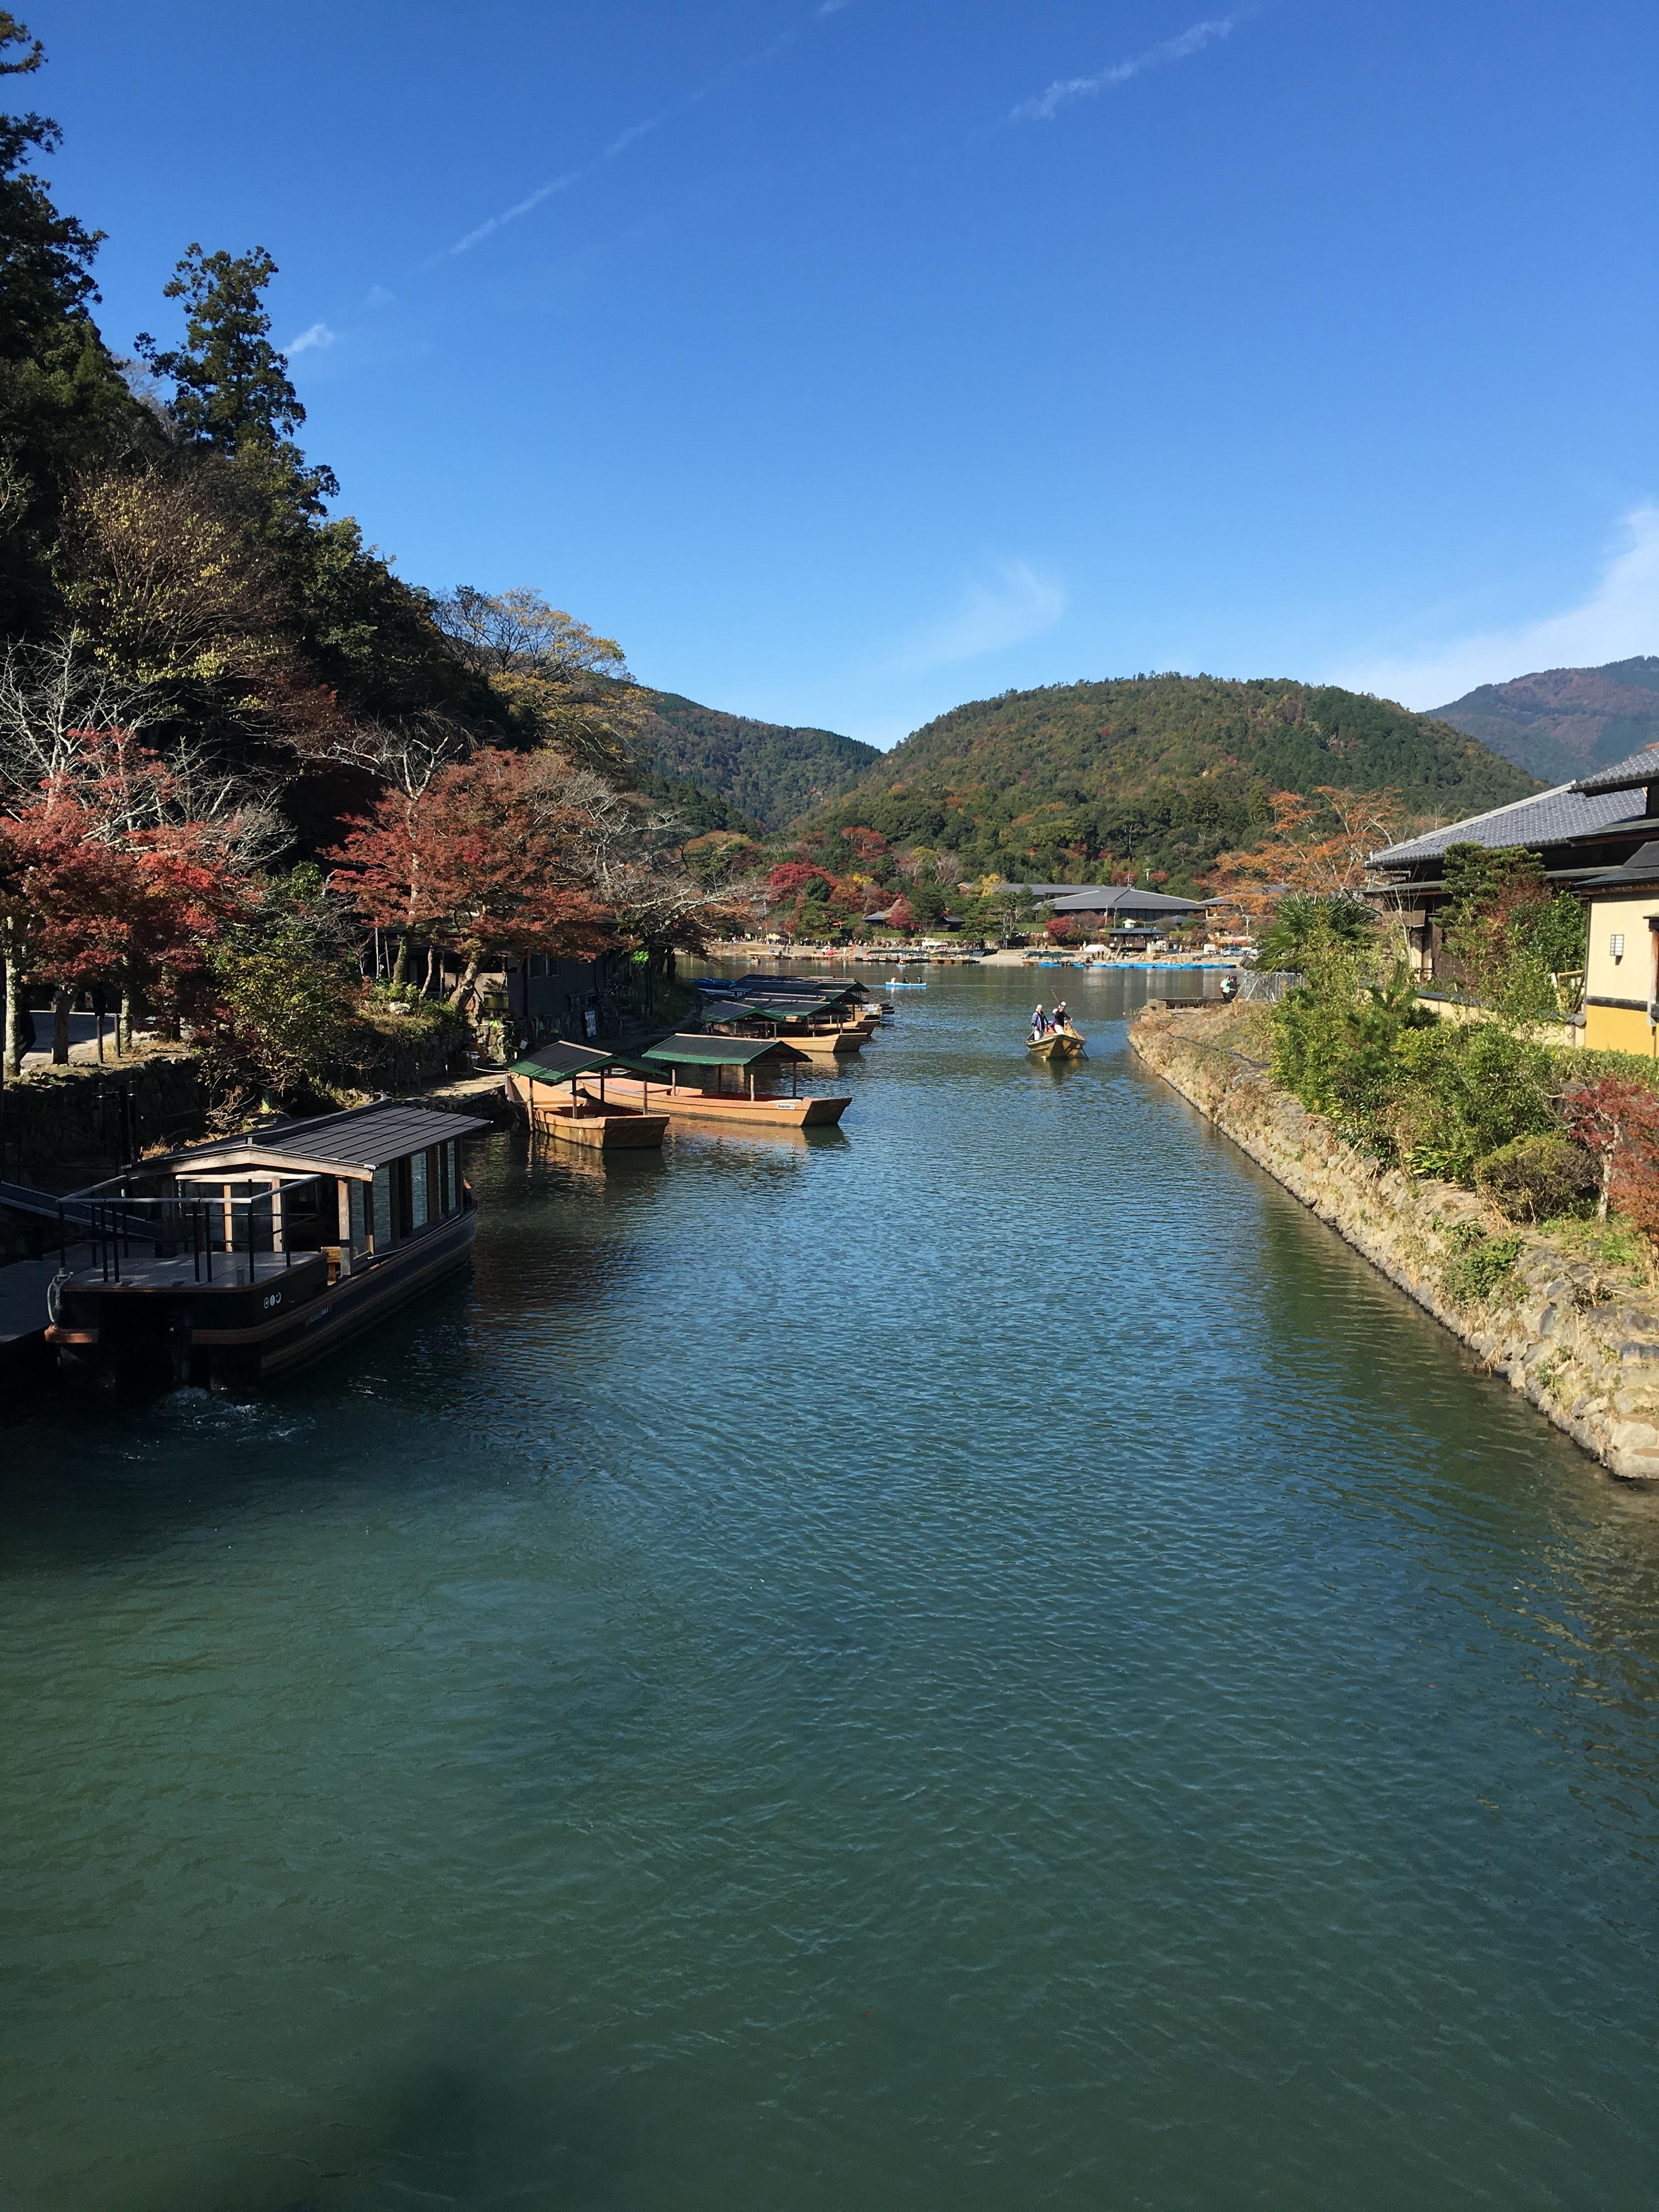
(776, 1010)
(718, 1051)
(777, 987)
(557, 1061)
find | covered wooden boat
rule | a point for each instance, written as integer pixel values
(717, 1079)
(590, 1116)
(822, 1026)
(235, 1263)
(1066, 1044)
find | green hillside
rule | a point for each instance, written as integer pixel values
(1074, 782)
(764, 769)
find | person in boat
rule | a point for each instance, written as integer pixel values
(1062, 1015)
(1039, 1022)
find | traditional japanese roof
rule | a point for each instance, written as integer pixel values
(718, 1051)
(1641, 768)
(1550, 817)
(363, 1138)
(1638, 873)
(1123, 898)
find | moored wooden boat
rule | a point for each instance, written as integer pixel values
(591, 1118)
(237, 1263)
(697, 1068)
(736, 1109)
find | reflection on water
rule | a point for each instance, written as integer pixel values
(985, 1660)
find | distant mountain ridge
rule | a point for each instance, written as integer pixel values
(1563, 723)
(766, 770)
(1162, 773)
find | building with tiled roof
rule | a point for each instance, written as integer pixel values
(1576, 829)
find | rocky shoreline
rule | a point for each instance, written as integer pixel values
(1584, 1351)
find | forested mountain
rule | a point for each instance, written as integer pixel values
(1160, 773)
(766, 770)
(1565, 722)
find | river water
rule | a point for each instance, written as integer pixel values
(984, 1660)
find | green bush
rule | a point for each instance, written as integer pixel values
(1461, 1092)
(1538, 1178)
(1480, 1266)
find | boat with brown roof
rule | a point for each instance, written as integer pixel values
(237, 1262)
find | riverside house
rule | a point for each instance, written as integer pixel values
(1621, 969)
(1579, 830)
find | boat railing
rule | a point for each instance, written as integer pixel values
(122, 1226)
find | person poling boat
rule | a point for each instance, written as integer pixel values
(1053, 1035)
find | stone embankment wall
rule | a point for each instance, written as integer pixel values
(1585, 1352)
(61, 1121)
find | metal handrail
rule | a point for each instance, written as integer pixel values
(110, 1221)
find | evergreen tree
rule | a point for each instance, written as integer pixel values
(63, 404)
(46, 258)
(231, 391)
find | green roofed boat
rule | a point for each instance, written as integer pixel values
(719, 1080)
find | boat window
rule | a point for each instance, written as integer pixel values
(417, 1194)
(382, 1230)
(357, 1220)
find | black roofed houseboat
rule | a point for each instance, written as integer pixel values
(237, 1263)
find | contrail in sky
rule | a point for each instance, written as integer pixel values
(1044, 106)
(629, 137)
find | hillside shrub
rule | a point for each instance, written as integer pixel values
(1480, 1266)
(1539, 1178)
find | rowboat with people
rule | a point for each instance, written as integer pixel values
(1055, 1036)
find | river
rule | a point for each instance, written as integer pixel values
(982, 1659)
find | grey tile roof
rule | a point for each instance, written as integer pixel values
(363, 1137)
(1546, 819)
(1641, 869)
(1123, 898)
(1641, 767)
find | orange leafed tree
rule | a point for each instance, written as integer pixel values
(1320, 844)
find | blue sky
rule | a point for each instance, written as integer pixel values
(848, 360)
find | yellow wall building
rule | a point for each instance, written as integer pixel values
(1621, 965)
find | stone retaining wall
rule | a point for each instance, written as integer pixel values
(1585, 1352)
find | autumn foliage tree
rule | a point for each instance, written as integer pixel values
(1319, 844)
(1617, 1121)
(489, 862)
(107, 876)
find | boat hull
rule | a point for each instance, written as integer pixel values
(597, 1125)
(705, 1106)
(1060, 1045)
(230, 1336)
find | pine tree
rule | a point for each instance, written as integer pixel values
(231, 390)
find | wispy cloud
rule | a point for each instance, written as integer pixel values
(1017, 604)
(311, 340)
(1044, 106)
(1618, 618)
(378, 296)
(634, 130)
(511, 215)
